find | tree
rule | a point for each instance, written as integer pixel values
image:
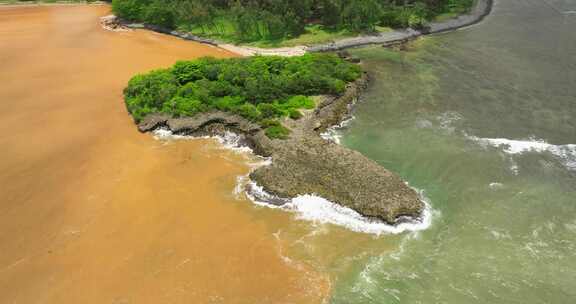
(361, 15)
(159, 13)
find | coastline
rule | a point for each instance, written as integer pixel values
(308, 164)
(478, 12)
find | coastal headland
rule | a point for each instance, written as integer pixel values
(306, 163)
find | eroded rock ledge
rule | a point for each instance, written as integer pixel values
(308, 164)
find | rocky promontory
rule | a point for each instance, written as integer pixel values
(305, 163)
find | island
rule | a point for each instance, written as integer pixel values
(280, 106)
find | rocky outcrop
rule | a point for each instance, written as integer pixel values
(305, 163)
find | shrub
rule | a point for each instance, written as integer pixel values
(361, 15)
(159, 13)
(268, 122)
(277, 132)
(248, 111)
(221, 88)
(405, 16)
(269, 110)
(182, 106)
(187, 71)
(128, 9)
(300, 101)
(152, 89)
(295, 114)
(228, 103)
(199, 90)
(260, 89)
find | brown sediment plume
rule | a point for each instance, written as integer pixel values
(92, 211)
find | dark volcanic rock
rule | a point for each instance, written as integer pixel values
(305, 163)
(231, 121)
(152, 122)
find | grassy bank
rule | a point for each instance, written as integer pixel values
(311, 35)
(274, 23)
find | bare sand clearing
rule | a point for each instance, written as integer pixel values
(91, 211)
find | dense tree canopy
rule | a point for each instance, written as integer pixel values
(253, 20)
(261, 89)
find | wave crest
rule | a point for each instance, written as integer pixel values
(566, 153)
(317, 209)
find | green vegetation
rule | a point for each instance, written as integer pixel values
(273, 22)
(260, 89)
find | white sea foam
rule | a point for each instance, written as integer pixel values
(308, 207)
(333, 133)
(566, 153)
(447, 121)
(229, 140)
(496, 186)
(319, 210)
(234, 142)
(166, 134)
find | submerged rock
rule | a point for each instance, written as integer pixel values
(305, 163)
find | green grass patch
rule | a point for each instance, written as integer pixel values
(223, 30)
(314, 34)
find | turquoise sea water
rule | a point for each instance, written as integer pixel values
(484, 121)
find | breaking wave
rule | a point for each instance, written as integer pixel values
(321, 211)
(308, 207)
(334, 133)
(229, 140)
(565, 153)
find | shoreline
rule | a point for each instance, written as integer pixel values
(306, 163)
(309, 164)
(480, 10)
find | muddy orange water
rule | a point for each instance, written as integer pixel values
(92, 211)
